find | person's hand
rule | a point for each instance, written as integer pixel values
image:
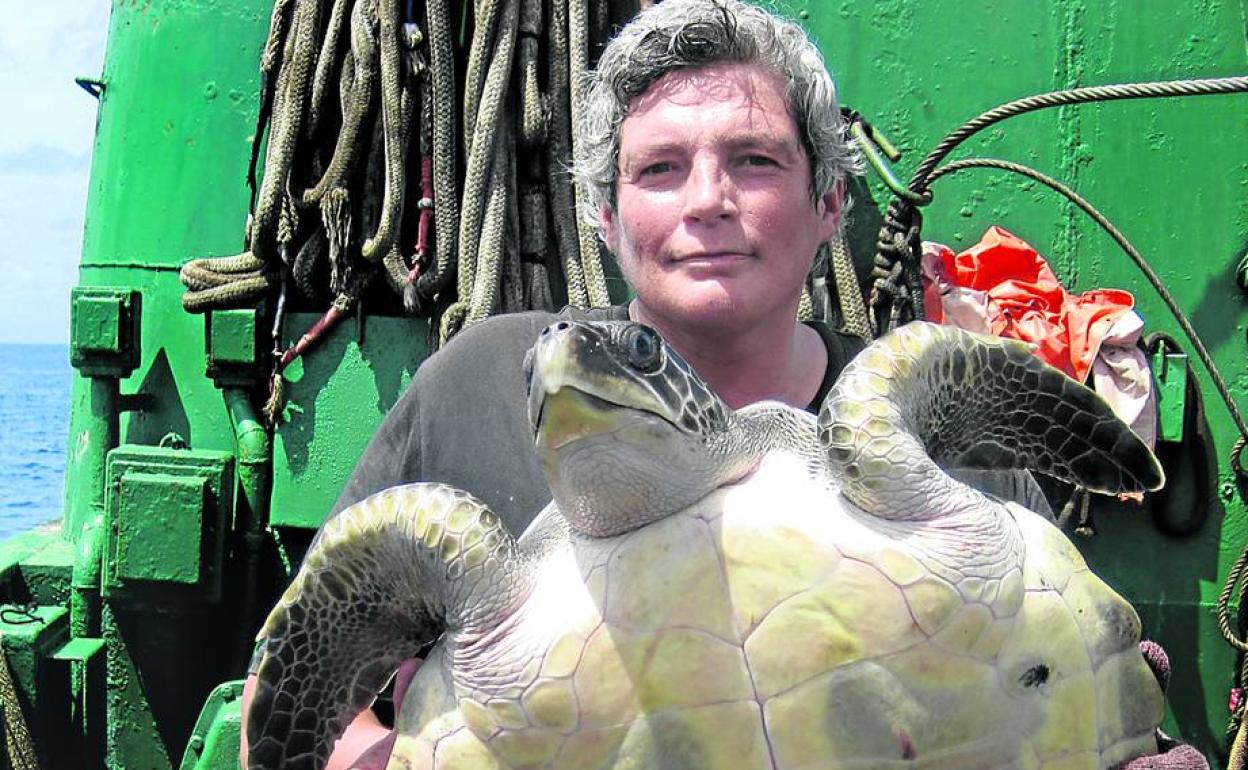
(366, 743)
(1171, 755)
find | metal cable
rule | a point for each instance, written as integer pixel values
(896, 288)
(919, 182)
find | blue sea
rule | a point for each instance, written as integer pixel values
(34, 424)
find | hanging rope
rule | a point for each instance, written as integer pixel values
(19, 747)
(558, 150)
(336, 207)
(854, 316)
(578, 72)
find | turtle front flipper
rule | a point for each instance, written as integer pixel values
(929, 394)
(383, 579)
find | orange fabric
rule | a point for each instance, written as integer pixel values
(1026, 301)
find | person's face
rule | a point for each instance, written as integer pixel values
(714, 222)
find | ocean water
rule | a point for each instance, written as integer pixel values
(34, 424)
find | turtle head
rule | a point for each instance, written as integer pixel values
(627, 432)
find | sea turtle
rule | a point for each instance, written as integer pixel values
(720, 589)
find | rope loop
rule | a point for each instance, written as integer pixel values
(1233, 580)
(1237, 458)
(896, 285)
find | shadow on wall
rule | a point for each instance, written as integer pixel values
(155, 409)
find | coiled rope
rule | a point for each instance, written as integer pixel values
(335, 208)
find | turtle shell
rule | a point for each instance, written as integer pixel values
(776, 625)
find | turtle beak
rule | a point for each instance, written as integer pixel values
(569, 415)
(559, 410)
(546, 366)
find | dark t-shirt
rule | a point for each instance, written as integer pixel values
(464, 419)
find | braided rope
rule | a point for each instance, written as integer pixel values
(591, 264)
(486, 283)
(224, 282)
(356, 97)
(326, 58)
(1233, 580)
(291, 97)
(397, 103)
(854, 316)
(558, 152)
(332, 154)
(445, 182)
(896, 286)
(313, 251)
(19, 747)
(482, 137)
(532, 113)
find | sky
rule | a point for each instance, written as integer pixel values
(47, 127)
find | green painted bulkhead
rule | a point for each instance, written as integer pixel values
(163, 564)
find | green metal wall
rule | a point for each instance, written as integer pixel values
(171, 152)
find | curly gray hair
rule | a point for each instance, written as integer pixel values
(686, 34)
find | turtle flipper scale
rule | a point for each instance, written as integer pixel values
(937, 393)
(384, 578)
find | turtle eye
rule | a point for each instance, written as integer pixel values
(644, 348)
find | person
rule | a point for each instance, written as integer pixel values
(713, 156)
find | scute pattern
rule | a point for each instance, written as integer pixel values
(821, 641)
